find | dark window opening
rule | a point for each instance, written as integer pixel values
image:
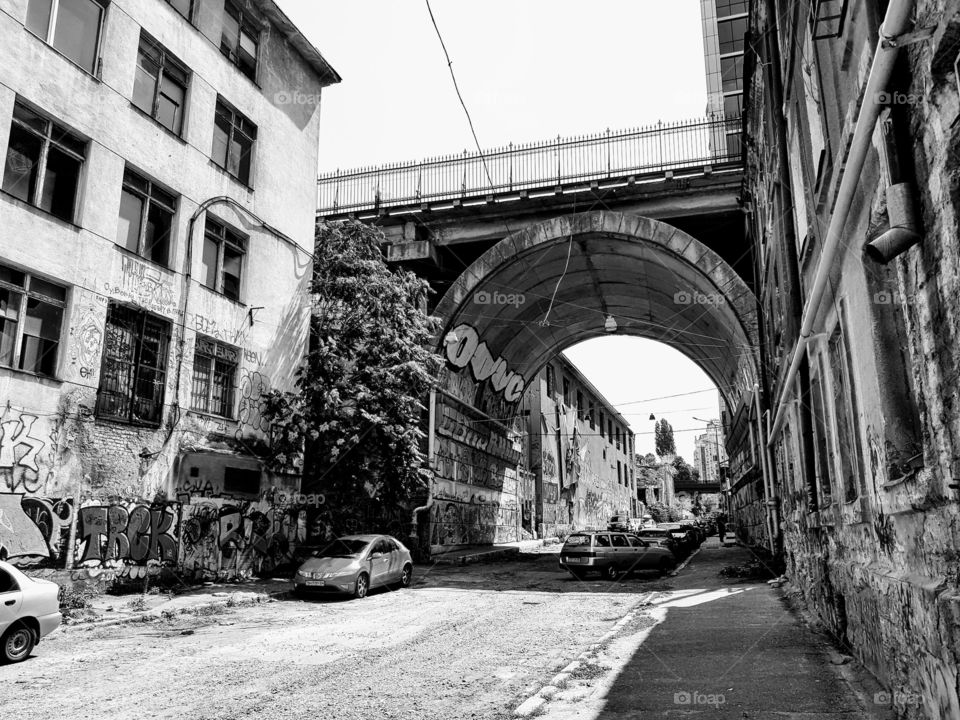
(234, 137)
(146, 218)
(160, 84)
(31, 318)
(222, 259)
(241, 480)
(43, 163)
(240, 39)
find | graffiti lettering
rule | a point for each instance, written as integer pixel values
(16, 434)
(138, 535)
(464, 347)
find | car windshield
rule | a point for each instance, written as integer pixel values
(343, 548)
(575, 540)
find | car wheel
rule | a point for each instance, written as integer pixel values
(406, 576)
(666, 566)
(610, 572)
(363, 585)
(18, 643)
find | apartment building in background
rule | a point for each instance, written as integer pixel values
(580, 450)
(709, 454)
(156, 235)
(724, 27)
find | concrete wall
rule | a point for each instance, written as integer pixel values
(55, 450)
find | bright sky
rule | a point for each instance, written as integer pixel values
(528, 70)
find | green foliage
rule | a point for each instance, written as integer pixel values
(357, 415)
(661, 512)
(663, 434)
(684, 472)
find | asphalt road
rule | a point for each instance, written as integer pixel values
(461, 643)
(474, 642)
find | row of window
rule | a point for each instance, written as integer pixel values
(43, 166)
(136, 348)
(161, 84)
(75, 29)
(616, 435)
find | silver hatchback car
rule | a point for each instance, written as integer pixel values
(354, 564)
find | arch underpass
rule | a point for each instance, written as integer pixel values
(550, 286)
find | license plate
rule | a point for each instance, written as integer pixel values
(316, 583)
(574, 560)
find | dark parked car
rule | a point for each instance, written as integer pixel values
(664, 538)
(685, 534)
(612, 554)
(619, 523)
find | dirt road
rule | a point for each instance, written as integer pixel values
(461, 643)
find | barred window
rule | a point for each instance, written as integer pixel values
(133, 377)
(214, 377)
(31, 316)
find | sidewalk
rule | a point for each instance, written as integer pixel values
(734, 649)
(104, 610)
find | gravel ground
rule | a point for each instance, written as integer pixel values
(464, 642)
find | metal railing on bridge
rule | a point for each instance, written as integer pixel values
(713, 141)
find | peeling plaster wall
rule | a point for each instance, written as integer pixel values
(57, 457)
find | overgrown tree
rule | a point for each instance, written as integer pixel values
(663, 434)
(684, 472)
(357, 414)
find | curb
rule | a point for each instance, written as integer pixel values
(534, 704)
(152, 615)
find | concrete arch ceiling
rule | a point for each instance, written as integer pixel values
(658, 282)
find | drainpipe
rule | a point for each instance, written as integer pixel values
(768, 503)
(431, 464)
(904, 230)
(894, 25)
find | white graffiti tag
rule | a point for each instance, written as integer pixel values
(14, 434)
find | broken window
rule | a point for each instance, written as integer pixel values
(222, 260)
(214, 377)
(134, 372)
(71, 26)
(160, 84)
(240, 39)
(823, 456)
(43, 163)
(31, 317)
(234, 137)
(146, 218)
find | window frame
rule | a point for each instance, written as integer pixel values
(135, 366)
(246, 22)
(148, 200)
(189, 16)
(167, 65)
(229, 238)
(26, 292)
(50, 34)
(225, 110)
(212, 360)
(52, 129)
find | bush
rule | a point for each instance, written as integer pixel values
(76, 597)
(661, 512)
